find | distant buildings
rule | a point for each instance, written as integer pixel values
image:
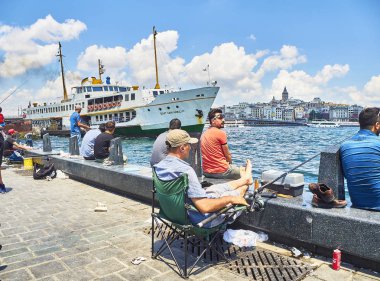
(289, 109)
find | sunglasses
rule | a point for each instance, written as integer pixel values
(219, 116)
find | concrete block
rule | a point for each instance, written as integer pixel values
(46, 143)
(330, 171)
(116, 152)
(74, 145)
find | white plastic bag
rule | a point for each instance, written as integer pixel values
(244, 238)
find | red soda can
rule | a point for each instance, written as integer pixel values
(336, 259)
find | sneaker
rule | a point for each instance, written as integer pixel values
(2, 189)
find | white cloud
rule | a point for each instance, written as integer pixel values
(34, 46)
(252, 37)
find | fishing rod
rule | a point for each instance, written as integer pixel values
(14, 91)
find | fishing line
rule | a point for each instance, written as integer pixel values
(14, 91)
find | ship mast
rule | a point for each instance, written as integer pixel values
(65, 98)
(155, 57)
(101, 69)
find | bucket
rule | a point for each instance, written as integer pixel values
(28, 163)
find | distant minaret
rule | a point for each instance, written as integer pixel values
(285, 95)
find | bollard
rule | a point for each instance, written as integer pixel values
(73, 145)
(116, 152)
(46, 143)
(195, 155)
(330, 171)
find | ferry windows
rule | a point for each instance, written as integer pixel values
(119, 98)
(177, 106)
(173, 99)
(82, 104)
(155, 93)
(127, 116)
(116, 88)
(110, 116)
(121, 117)
(97, 118)
(111, 88)
(96, 89)
(105, 88)
(101, 118)
(122, 89)
(133, 114)
(161, 92)
(126, 97)
(168, 107)
(105, 117)
(133, 96)
(89, 89)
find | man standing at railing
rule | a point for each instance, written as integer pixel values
(76, 123)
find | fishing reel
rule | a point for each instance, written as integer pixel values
(256, 203)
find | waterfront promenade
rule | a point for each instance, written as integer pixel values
(49, 231)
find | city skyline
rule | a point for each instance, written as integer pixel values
(251, 48)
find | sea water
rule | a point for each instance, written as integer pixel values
(278, 148)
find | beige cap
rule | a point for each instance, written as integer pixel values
(179, 137)
(78, 106)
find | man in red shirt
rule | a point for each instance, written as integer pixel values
(216, 157)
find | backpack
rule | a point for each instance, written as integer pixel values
(42, 171)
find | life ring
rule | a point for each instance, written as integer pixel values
(95, 107)
(118, 103)
(109, 104)
(114, 104)
(89, 108)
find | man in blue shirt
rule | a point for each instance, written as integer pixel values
(88, 142)
(207, 200)
(360, 158)
(76, 123)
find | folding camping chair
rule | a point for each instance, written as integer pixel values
(172, 213)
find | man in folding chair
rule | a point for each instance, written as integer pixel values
(177, 185)
(208, 200)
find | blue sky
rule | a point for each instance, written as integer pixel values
(327, 49)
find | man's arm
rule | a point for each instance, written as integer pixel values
(207, 205)
(227, 153)
(82, 125)
(20, 146)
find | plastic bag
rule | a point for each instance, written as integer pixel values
(244, 238)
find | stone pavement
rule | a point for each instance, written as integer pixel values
(49, 231)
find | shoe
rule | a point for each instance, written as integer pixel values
(319, 203)
(3, 189)
(325, 193)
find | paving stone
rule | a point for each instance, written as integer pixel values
(10, 240)
(20, 275)
(77, 274)
(106, 267)
(112, 277)
(27, 262)
(325, 272)
(47, 269)
(79, 260)
(48, 251)
(32, 235)
(82, 248)
(17, 258)
(105, 253)
(14, 230)
(13, 252)
(139, 272)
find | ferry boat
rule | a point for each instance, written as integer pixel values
(323, 124)
(138, 112)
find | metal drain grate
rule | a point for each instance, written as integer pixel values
(255, 264)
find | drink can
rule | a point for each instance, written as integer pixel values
(336, 259)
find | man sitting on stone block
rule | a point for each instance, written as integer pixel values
(211, 199)
(88, 142)
(103, 141)
(360, 158)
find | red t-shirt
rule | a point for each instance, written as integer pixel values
(213, 159)
(1, 118)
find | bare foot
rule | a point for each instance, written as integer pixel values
(248, 172)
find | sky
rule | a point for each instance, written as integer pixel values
(253, 49)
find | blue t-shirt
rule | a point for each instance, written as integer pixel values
(360, 158)
(172, 167)
(88, 142)
(74, 119)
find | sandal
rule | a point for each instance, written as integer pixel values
(325, 193)
(317, 202)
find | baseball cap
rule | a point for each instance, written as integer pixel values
(78, 106)
(11, 131)
(178, 137)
